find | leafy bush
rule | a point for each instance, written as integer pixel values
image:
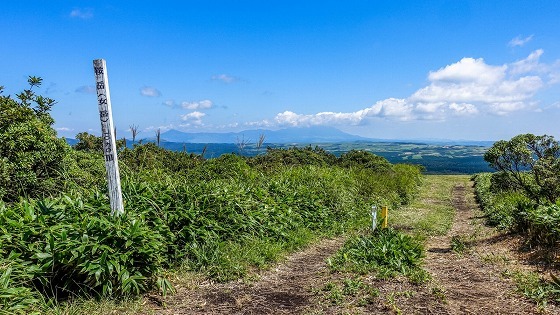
(278, 157)
(529, 163)
(360, 158)
(543, 226)
(72, 246)
(16, 295)
(151, 157)
(386, 252)
(31, 156)
(514, 211)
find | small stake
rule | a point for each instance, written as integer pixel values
(384, 215)
(373, 218)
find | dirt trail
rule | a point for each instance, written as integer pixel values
(285, 289)
(464, 282)
(472, 284)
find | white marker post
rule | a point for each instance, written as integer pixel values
(108, 135)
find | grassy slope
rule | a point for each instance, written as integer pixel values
(431, 213)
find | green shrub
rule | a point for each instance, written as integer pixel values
(543, 225)
(385, 252)
(529, 163)
(16, 294)
(76, 246)
(32, 158)
(365, 159)
(516, 212)
(151, 157)
(278, 157)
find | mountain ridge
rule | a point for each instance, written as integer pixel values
(287, 135)
(292, 135)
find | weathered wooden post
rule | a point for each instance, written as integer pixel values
(108, 135)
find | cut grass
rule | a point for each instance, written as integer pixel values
(432, 212)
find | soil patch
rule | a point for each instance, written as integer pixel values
(284, 289)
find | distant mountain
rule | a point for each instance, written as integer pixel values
(295, 135)
(288, 135)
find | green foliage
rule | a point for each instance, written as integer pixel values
(543, 225)
(514, 211)
(70, 246)
(16, 297)
(88, 142)
(92, 143)
(31, 156)
(386, 252)
(394, 188)
(459, 244)
(365, 159)
(530, 163)
(220, 216)
(235, 204)
(278, 157)
(540, 290)
(505, 210)
(151, 157)
(336, 293)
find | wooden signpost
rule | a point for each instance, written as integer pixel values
(108, 135)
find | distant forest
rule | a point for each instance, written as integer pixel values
(436, 159)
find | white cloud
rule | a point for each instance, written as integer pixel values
(64, 129)
(469, 70)
(83, 14)
(554, 74)
(194, 118)
(150, 91)
(200, 105)
(518, 41)
(494, 88)
(529, 64)
(465, 88)
(463, 109)
(226, 78)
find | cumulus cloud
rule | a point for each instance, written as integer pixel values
(492, 88)
(465, 88)
(86, 89)
(518, 41)
(150, 91)
(199, 105)
(83, 14)
(469, 70)
(194, 118)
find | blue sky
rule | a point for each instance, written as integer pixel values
(478, 70)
